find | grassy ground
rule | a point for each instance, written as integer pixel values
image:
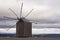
(31, 38)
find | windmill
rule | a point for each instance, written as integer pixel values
(23, 26)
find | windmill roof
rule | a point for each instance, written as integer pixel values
(23, 20)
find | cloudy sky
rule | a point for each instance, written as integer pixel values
(43, 9)
(46, 12)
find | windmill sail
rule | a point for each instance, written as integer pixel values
(11, 27)
(14, 13)
(21, 10)
(10, 18)
(20, 14)
(28, 13)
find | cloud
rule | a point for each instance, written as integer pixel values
(13, 30)
(7, 23)
(35, 31)
(55, 25)
(7, 26)
(46, 31)
(45, 11)
(42, 8)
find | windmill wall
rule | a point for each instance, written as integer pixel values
(24, 29)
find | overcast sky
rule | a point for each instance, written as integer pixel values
(45, 11)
